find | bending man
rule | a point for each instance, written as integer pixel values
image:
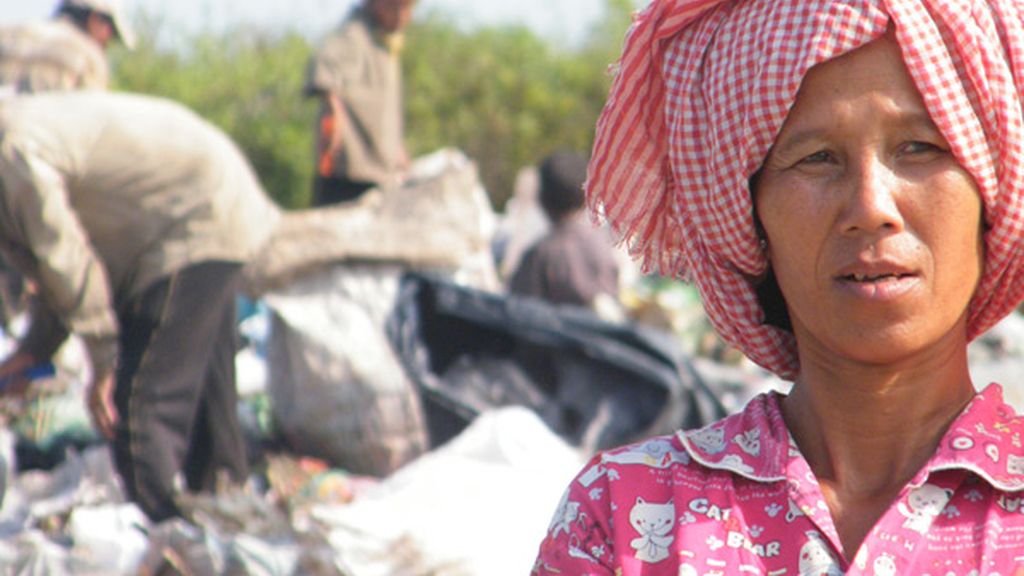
(134, 217)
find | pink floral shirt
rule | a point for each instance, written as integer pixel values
(737, 497)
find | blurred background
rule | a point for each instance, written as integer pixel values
(327, 357)
(505, 82)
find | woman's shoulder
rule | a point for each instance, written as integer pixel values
(752, 443)
(986, 440)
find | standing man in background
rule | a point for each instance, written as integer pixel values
(66, 52)
(357, 76)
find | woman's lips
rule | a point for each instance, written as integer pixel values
(878, 286)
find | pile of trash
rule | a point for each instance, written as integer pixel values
(310, 519)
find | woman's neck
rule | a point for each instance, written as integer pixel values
(866, 431)
(869, 436)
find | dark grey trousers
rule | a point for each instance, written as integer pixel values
(175, 392)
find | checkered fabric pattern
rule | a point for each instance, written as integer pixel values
(702, 90)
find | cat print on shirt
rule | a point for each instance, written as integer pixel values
(884, 565)
(654, 523)
(860, 560)
(687, 570)
(1014, 464)
(923, 505)
(766, 529)
(749, 441)
(566, 513)
(794, 512)
(816, 559)
(657, 453)
(710, 440)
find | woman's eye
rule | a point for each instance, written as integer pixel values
(820, 157)
(918, 147)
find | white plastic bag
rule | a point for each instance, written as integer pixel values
(479, 505)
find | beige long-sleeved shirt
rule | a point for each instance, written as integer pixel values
(104, 193)
(360, 67)
(50, 55)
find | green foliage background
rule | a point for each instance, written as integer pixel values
(503, 95)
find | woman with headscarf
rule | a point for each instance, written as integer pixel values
(842, 180)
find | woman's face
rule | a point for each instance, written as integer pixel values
(873, 227)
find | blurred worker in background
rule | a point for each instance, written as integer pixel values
(66, 52)
(357, 76)
(574, 263)
(133, 217)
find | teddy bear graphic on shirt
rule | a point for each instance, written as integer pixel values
(922, 506)
(654, 522)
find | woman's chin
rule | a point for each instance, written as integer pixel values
(894, 345)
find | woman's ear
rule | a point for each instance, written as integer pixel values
(772, 302)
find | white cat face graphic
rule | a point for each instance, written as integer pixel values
(654, 523)
(928, 500)
(651, 518)
(922, 506)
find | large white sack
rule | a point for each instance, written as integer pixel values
(337, 390)
(330, 278)
(479, 505)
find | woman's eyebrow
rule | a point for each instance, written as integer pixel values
(799, 138)
(914, 119)
(904, 119)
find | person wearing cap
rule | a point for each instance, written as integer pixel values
(574, 262)
(844, 182)
(356, 75)
(66, 52)
(136, 244)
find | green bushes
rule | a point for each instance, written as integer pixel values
(248, 83)
(502, 95)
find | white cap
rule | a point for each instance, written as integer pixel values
(111, 8)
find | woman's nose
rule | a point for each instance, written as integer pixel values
(871, 199)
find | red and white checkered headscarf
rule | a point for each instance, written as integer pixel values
(702, 90)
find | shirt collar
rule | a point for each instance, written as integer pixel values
(986, 439)
(753, 443)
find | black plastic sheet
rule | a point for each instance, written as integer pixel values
(595, 383)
